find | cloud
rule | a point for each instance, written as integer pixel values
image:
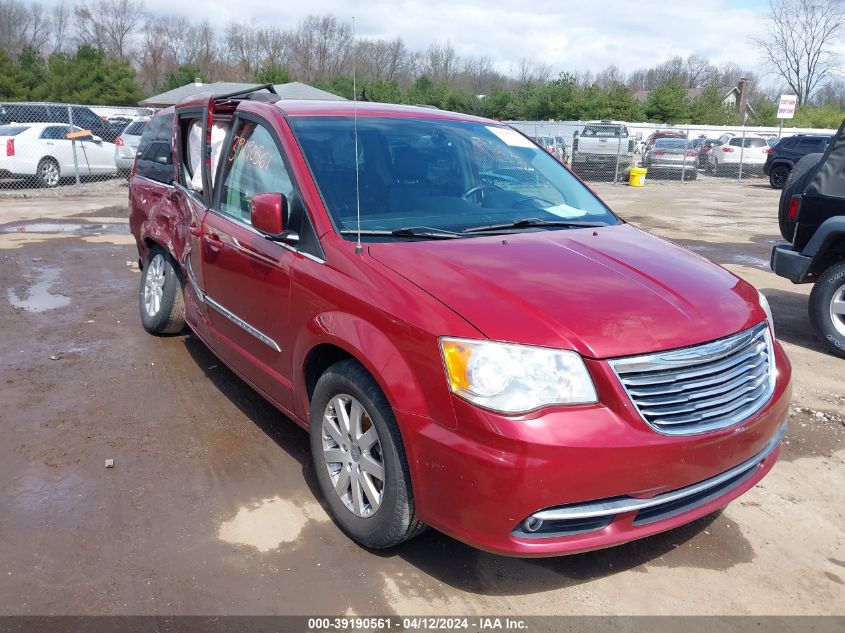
(566, 35)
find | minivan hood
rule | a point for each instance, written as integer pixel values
(605, 292)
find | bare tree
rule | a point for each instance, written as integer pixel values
(243, 49)
(60, 18)
(23, 26)
(321, 47)
(155, 58)
(202, 49)
(383, 60)
(799, 40)
(610, 77)
(109, 24)
(527, 71)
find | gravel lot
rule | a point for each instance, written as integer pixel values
(211, 506)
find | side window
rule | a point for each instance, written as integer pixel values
(155, 160)
(253, 164)
(55, 132)
(86, 119)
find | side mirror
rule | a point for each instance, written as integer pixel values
(268, 214)
(96, 139)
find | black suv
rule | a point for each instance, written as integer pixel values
(57, 113)
(812, 218)
(788, 151)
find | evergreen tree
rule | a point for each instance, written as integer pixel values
(183, 75)
(668, 103)
(11, 87)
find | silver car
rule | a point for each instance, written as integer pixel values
(672, 155)
(126, 145)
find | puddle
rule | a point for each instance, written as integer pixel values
(747, 260)
(719, 255)
(63, 227)
(38, 297)
(268, 524)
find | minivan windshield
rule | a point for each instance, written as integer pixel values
(441, 175)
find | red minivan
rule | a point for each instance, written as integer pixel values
(473, 340)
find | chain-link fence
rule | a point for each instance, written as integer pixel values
(610, 150)
(52, 145)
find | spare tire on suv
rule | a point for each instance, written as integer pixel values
(798, 178)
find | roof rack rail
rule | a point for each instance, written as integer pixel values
(248, 93)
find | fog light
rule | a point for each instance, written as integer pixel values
(532, 524)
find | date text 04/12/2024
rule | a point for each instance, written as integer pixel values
(417, 624)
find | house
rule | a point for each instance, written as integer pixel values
(292, 90)
(735, 97)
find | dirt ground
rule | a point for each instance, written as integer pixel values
(211, 506)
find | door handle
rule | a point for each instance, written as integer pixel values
(214, 242)
(195, 230)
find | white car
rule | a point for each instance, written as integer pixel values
(731, 149)
(42, 151)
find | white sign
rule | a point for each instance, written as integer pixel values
(786, 107)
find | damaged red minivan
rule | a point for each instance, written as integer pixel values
(473, 340)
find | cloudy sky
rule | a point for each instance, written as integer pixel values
(575, 36)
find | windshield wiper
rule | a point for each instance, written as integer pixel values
(525, 223)
(419, 232)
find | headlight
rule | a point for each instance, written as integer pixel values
(515, 378)
(764, 303)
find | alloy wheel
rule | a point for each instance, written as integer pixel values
(353, 455)
(50, 173)
(154, 285)
(778, 177)
(837, 309)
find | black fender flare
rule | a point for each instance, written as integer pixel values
(830, 232)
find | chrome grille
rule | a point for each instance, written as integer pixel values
(701, 388)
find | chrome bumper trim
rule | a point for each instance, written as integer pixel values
(629, 504)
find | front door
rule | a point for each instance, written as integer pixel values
(247, 276)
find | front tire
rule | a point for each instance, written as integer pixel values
(49, 174)
(778, 175)
(160, 298)
(827, 308)
(359, 458)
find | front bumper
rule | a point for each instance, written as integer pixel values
(481, 481)
(790, 264)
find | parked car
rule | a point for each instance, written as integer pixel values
(552, 145)
(126, 145)
(658, 134)
(473, 340)
(812, 219)
(42, 152)
(732, 150)
(783, 156)
(672, 155)
(703, 147)
(118, 125)
(601, 146)
(57, 113)
(563, 149)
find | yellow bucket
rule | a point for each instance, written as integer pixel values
(636, 176)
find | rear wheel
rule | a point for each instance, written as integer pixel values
(360, 459)
(778, 175)
(160, 299)
(827, 308)
(49, 173)
(794, 185)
